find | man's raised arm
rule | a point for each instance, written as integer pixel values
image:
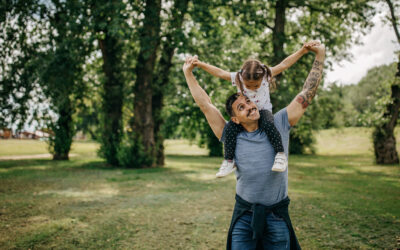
(298, 106)
(213, 115)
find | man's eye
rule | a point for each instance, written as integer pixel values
(247, 100)
(240, 108)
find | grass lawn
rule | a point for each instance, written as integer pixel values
(34, 147)
(340, 199)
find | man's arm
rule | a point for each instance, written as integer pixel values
(298, 106)
(293, 58)
(213, 115)
(215, 71)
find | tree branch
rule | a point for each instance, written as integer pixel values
(393, 20)
(311, 7)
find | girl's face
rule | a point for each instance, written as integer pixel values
(252, 84)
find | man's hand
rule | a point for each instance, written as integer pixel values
(196, 61)
(311, 44)
(318, 49)
(188, 66)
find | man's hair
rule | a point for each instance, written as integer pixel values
(228, 105)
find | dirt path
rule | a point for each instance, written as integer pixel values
(23, 157)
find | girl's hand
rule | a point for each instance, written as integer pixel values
(188, 66)
(308, 45)
(195, 60)
(319, 49)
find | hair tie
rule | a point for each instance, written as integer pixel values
(240, 71)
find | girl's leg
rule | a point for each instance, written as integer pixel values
(232, 130)
(266, 123)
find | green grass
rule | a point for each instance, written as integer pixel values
(340, 200)
(348, 141)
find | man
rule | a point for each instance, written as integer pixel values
(260, 218)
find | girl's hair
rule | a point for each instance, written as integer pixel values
(253, 70)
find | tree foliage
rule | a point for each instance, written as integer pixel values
(113, 68)
(269, 31)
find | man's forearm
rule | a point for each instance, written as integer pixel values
(288, 62)
(311, 85)
(198, 93)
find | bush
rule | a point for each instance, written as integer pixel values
(131, 153)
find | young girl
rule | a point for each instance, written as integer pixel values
(254, 80)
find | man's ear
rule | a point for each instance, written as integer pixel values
(235, 119)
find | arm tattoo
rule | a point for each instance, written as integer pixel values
(311, 85)
(302, 100)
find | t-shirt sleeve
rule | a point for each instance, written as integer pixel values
(233, 77)
(282, 120)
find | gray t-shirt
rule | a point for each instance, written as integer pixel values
(254, 157)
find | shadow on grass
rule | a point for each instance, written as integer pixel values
(101, 165)
(24, 163)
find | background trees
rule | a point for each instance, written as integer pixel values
(113, 68)
(383, 136)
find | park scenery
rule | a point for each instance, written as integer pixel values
(103, 146)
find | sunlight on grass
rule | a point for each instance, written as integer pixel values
(86, 194)
(13, 147)
(22, 147)
(182, 147)
(348, 141)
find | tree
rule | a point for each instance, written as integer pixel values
(383, 135)
(280, 29)
(212, 34)
(110, 29)
(269, 31)
(61, 73)
(159, 36)
(18, 72)
(143, 124)
(43, 42)
(173, 36)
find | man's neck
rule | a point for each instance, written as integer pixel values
(250, 127)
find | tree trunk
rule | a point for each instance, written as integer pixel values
(143, 123)
(162, 75)
(106, 18)
(278, 33)
(112, 99)
(383, 136)
(63, 131)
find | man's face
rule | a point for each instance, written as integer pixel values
(245, 111)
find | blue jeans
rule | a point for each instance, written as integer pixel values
(276, 235)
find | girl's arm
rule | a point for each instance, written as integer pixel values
(290, 60)
(212, 69)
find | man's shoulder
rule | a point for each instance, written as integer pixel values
(281, 120)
